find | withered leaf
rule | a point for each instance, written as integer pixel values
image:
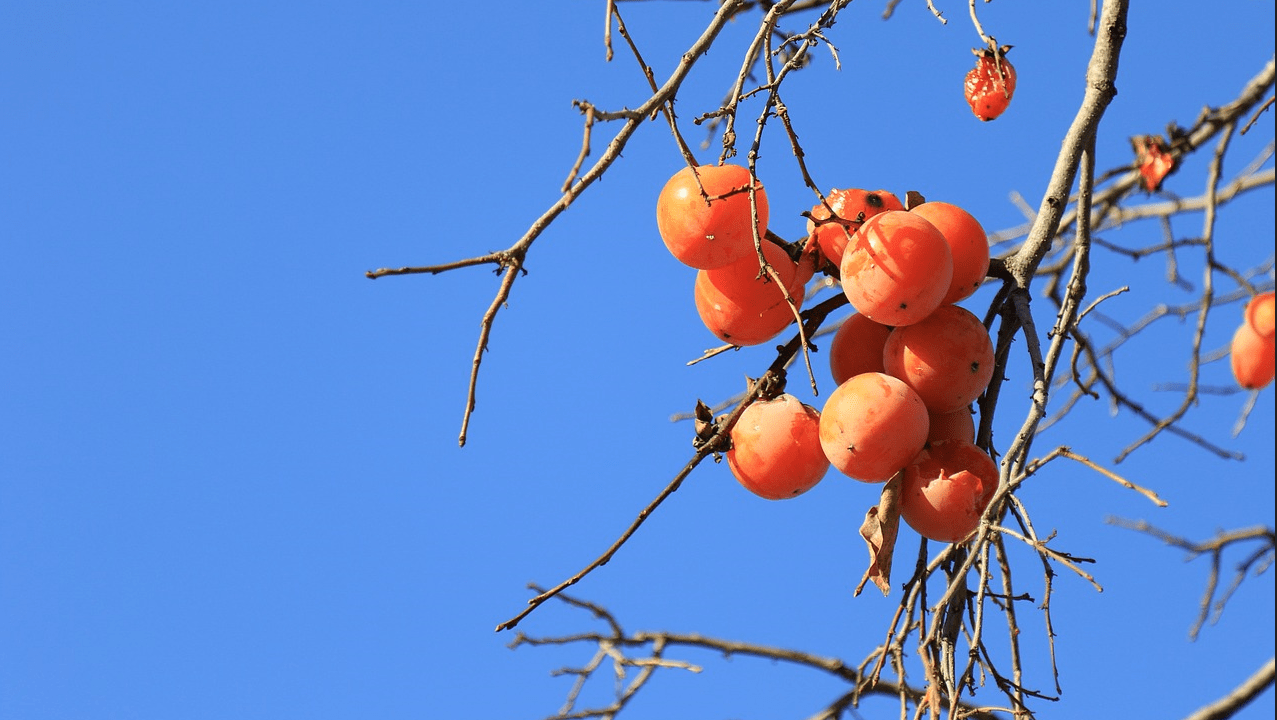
(882, 521)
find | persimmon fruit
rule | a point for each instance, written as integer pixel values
(853, 207)
(956, 425)
(871, 426)
(714, 233)
(1259, 314)
(776, 452)
(897, 268)
(1154, 159)
(968, 243)
(947, 358)
(946, 489)
(742, 306)
(857, 348)
(1251, 356)
(988, 86)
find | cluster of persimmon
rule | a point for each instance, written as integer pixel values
(908, 363)
(1252, 351)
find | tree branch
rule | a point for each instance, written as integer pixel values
(1240, 697)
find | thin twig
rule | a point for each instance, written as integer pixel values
(1065, 452)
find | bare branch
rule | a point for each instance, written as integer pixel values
(718, 440)
(611, 645)
(1214, 548)
(1240, 696)
(1067, 453)
(513, 257)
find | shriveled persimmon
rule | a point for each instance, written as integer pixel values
(714, 232)
(742, 305)
(857, 348)
(852, 207)
(897, 268)
(871, 426)
(1154, 159)
(947, 358)
(1252, 357)
(989, 86)
(946, 489)
(776, 452)
(968, 243)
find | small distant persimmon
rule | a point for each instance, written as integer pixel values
(1259, 314)
(1252, 357)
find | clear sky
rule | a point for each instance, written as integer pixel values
(230, 485)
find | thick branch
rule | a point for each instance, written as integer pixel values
(1101, 77)
(1240, 697)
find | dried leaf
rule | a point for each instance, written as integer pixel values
(882, 521)
(704, 420)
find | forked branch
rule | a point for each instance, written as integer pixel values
(517, 252)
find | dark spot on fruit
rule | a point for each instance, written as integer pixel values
(874, 199)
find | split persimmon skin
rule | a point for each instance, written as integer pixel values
(946, 489)
(714, 234)
(857, 348)
(743, 307)
(871, 426)
(897, 268)
(1252, 357)
(947, 358)
(776, 452)
(968, 243)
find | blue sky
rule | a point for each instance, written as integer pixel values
(230, 485)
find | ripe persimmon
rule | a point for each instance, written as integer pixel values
(714, 233)
(853, 207)
(1259, 314)
(776, 451)
(1252, 357)
(743, 306)
(956, 425)
(968, 243)
(947, 358)
(871, 426)
(897, 268)
(857, 348)
(946, 489)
